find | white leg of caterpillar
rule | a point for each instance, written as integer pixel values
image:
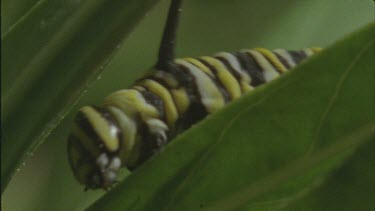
(109, 176)
(160, 143)
(115, 164)
(102, 160)
(158, 128)
(161, 140)
(108, 168)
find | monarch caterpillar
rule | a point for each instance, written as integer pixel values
(133, 124)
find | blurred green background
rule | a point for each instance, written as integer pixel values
(45, 181)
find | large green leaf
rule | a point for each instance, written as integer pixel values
(12, 11)
(275, 143)
(48, 58)
(291, 25)
(352, 187)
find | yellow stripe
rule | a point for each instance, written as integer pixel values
(286, 55)
(246, 87)
(308, 51)
(228, 80)
(132, 103)
(268, 70)
(234, 63)
(129, 137)
(105, 131)
(211, 97)
(271, 57)
(163, 93)
(182, 99)
(86, 142)
(139, 88)
(316, 49)
(200, 65)
(168, 78)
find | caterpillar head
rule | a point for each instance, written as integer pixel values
(93, 148)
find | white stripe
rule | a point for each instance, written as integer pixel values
(157, 127)
(269, 71)
(285, 54)
(211, 97)
(128, 128)
(308, 51)
(232, 60)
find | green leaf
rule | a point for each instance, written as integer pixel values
(48, 58)
(12, 11)
(352, 187)
(276, 143)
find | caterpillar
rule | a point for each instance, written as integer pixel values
(133, 124)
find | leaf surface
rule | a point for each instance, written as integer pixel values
(277, 143)
(49, 58)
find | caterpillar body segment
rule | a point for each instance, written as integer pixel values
(133, 124)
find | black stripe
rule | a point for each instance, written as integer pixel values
(219, 84)
(194, 114)
(107, 115)
(145, 148)
(163, 103)
(85, 158)
(160, 81)
(148, 145)
(187, 81)
(270, 62)
(193, 93)
(231, 69)
(192, 88)
(282, 60)
(84, 154)
(196, 110)
(83, 123)
(183, 77)
(154, 100)
(251, 67)
(298, 56)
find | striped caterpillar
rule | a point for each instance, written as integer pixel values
(133, 124)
